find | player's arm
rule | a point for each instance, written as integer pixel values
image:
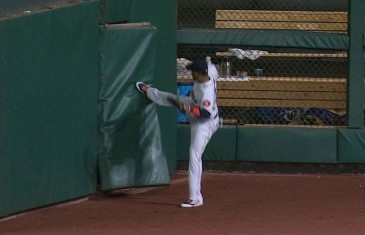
(195, 111)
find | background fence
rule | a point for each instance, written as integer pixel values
(285, 83)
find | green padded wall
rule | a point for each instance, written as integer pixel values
(48, 90)
(18, 6)
(355, 83)
(263, 38)
(351, 145)
(222, 146)
(294, 145)
(130, 151)
(291, 145)
(162, 14)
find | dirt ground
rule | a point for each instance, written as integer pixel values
(234, 204)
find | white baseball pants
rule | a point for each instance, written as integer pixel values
(201, 132)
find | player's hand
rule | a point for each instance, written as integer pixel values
(184, 107)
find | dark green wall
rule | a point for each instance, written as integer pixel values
(293, 145)
(351, 145)
(48, 87)
(48, 96)
(19, 6)
(129, 147)
(279, 145)
(222, 146)
(161, 14)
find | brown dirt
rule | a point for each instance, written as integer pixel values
(234, 204)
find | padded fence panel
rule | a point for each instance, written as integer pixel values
(223, 145)
(356, 104)
(48, 111)
(162, 14)
(351, 145)
(4, 124)
(130, 151)
(295, 145)
(259, 38)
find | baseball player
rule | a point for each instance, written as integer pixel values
(201, 109)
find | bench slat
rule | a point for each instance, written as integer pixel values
(332, 27)
(294, 92)
(299, 16)
(305, 95)
(297, 20)
(283, 86)
(282, 103)
(294, 54)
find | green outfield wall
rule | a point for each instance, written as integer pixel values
(280, 145)
(54, 59)
(130, 150)
(162, 15)
(48, 90)
(13, 7)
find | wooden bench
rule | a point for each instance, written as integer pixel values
(292, 55)
(284, 92)
(322, 21)
(280, 92)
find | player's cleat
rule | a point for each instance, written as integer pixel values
(142, 87)
(191, 203)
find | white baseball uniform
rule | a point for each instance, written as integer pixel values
(203, 96)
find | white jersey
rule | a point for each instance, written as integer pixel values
(204, 94)
(212, 71)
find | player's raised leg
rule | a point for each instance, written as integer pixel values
(161, 97)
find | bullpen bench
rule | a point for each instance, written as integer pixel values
(284, 92)
(321, 21)
(280, 92)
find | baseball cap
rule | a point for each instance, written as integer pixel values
(198, 65)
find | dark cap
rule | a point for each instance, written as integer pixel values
(198, 65)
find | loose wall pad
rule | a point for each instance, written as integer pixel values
(129, 150)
